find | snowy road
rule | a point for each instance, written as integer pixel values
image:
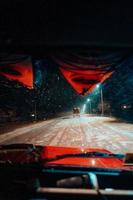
(90, 131)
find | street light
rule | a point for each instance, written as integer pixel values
(102, 103)
(124, 106)
(88, 100)
(98, 85)
(34, 109)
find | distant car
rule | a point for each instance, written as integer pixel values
(76, 112)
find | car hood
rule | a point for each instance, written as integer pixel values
(94, 162)
(43, 153)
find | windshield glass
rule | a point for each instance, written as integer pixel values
(68, 98)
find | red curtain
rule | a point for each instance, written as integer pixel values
(84, 81)
(84, 70)
(21, 72)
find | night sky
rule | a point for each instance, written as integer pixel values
(59, 96)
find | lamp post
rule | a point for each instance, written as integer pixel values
(88, 100)
(102, 102)
(35, 111)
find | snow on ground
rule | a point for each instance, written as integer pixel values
(84, 131)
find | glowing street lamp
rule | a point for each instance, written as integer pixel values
(88, 100)
(97, 86)
(124, 106)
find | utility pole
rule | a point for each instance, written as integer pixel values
(101, 94)
(90, 106)
(89, 100)
(35, 111)
(102, 103)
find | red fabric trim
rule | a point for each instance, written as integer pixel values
(23, 72)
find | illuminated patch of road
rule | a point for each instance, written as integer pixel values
(86, 131)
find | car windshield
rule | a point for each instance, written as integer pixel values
(78, 98)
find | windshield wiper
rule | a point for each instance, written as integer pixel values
(94, 154)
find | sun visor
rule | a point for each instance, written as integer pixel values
(19, 71)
